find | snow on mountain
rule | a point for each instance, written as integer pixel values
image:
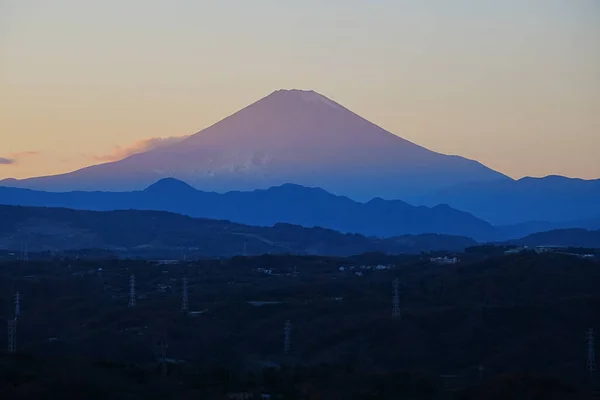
(292, 136)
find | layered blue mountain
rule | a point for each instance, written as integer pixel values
(529, 203)
(135, 233)
(562, 237)
(292, 136)
(289, 203)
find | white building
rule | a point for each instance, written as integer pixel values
(444, 260)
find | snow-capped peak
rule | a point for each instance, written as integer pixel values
(310, 96)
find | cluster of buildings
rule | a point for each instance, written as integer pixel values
(547, 249)
(444, 260)
(366, 268)
(266, 271)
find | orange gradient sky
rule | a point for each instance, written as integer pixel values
(514, 84)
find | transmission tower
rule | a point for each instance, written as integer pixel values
(12, 335)
(17, 305)
(132, 301)
(184, 300)
(163, 358)
(395, 300)
(101, 279)
(287, 339)
(24, 252)
(481, 370)
(591, 358)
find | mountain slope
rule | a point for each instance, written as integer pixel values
(165, 234)
(549, 199)
(288, 203)
(562, 237)
(289, 136)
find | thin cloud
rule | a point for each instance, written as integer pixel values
(15, 158)
(22, 154)
(7, 161)
(140, 146)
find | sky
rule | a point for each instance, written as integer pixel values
(514, 84)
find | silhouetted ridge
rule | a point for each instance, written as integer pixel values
(167, 185)
(552, 199)
(136, 232)
(288, 203)
(562, 237)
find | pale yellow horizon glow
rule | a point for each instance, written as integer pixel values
(514, 84)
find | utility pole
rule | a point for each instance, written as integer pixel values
(24, 252)
(184, 300)
(287, 339)
(395, 300)
(132, 299)
(101, 279)
(12, 335)
(163, 358)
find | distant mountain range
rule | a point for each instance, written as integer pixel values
(162, 234)
(563, 202)
(292, 136)
(294, 204)
(304, 138)
(563, 238)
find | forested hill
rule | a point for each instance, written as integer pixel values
(164, 234)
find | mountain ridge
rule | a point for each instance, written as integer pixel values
(574, 237)
(553, 199)
(161, 233)
(289, 203)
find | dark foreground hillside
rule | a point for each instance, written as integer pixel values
(27, 377)
(507, 327)
(166, 235)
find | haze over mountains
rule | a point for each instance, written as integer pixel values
(288, 203)
(553, 199)
(293, 204)
(290, 136)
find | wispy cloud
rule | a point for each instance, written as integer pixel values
(121, 152)
(7, 161)
(22, 154)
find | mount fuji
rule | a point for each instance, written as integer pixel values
(289, 136)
